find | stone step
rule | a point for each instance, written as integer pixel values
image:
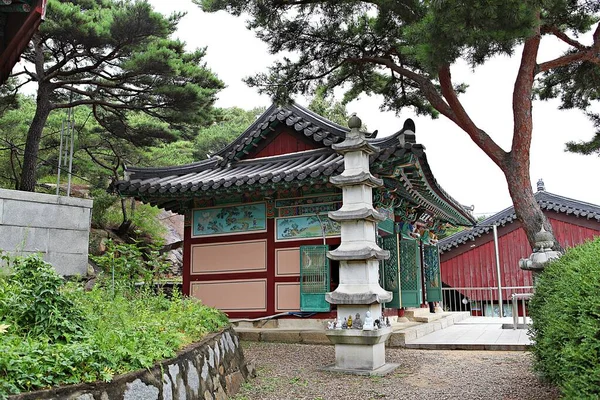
(412, 313)
(428, 318)
(402, 332)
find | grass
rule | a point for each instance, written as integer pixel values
(54, 333)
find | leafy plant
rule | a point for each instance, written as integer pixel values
(31, 299)
(566, 322)
(132, 263)
(61, 334)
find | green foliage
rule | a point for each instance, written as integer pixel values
(131, 263)
(325, 106)
(115, 333)
(103, 201)
(31, 300)
(566, 322)
(396, 48)
(231, 123)
(118, 57)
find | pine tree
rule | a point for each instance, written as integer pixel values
(405, 50)
(119, 58)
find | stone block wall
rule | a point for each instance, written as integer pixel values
(58, 227)
(211, 369)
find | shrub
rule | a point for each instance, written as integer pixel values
(132, 263)
(54, 333)
(32, 301)
(565, 311)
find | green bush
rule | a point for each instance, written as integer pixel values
(132, 263)
(32, 301)
(61, 334)
(565, 311)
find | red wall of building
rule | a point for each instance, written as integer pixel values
(269, 274)
(473, 264)
(283, 143)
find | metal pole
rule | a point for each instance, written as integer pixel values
(72, 123)
(495, 227)
(62, 128)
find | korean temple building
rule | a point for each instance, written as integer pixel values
(19, 20)
(256, 226)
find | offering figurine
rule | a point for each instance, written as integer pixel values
(338, 324)
(357, 323)
(368, 325)
(387, 321)
(345, 324)
(350, 322)
(331, 324)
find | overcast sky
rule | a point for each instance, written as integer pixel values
(460, 167)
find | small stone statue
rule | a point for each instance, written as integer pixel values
(331, 324)
(350, 322)
(337, 324)
(345, 324)
(357, 323)
(377, 323)
(368, 325)
(387, 322)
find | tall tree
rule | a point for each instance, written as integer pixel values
(117, 57)
(405, 49)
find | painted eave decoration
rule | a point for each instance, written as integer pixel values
(547, 201)
(19, 20)
(401, 162)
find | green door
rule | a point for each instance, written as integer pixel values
(433, 279)
(390, 279)
(314, 278)
(410, 273)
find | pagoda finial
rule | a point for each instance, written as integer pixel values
(540, 185)
(354, 122)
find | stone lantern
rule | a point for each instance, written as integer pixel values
(359, 293)
(542, 253)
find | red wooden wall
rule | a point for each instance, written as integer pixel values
(473, 264)
(283, 143)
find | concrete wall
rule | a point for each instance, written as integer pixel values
(56, 226)
(211, 369)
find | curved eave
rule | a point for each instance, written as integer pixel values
(547, 201)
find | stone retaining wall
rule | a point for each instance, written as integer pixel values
(58, 227)
(211, 369)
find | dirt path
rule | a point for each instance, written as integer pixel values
(291, 371)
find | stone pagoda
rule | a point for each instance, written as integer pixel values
(356, 350)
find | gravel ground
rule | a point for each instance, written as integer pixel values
(291, 371)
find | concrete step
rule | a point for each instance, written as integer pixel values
(402, 331)
(428, 318)
(412, 313)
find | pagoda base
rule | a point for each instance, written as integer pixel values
(357, 351)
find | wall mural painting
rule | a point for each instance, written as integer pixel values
(243, 218)
(306, 227)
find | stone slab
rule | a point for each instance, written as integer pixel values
(17, 239)
(23, 213)
(314, 337)
(68, 241)
(381, 371)
(44, 198)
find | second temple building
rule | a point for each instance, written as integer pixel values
(257, 230)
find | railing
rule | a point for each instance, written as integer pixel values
(482, 301)
(515, 305)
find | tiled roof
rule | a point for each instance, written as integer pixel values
(547, 201)
(211, 175)
(302, 120)
(226, 170)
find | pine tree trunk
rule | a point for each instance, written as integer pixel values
(527, 208)
(34, 136)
